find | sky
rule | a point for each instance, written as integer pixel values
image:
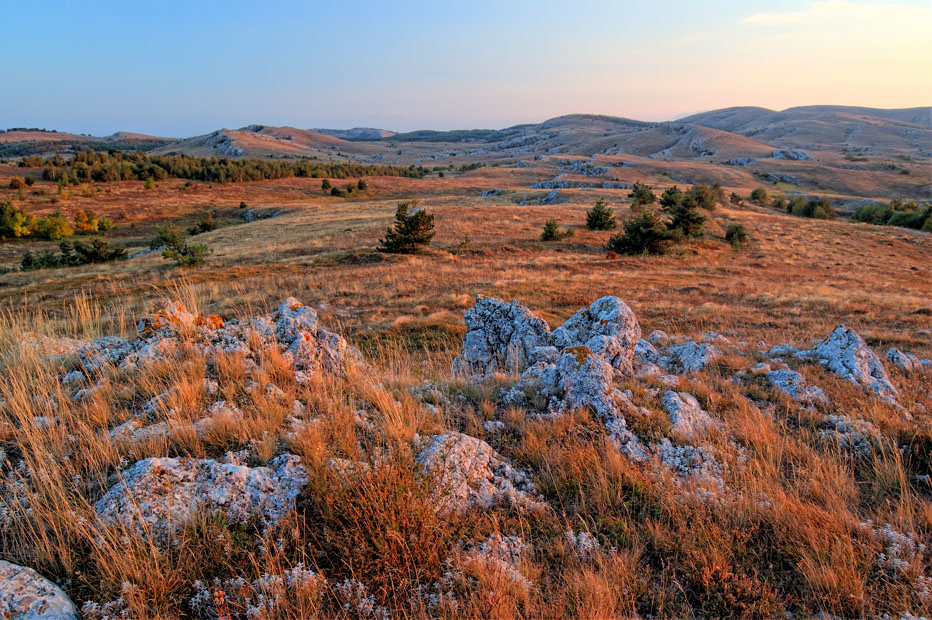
(186, 68)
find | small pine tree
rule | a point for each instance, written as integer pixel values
(362, 185)
(736, 235)
(600, 217)
(552, 231)
(411, 232)
(644, 233)
(325, 185)
(642, 194)
(670, 197)
(685, 217)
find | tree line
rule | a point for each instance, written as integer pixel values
(117, 166)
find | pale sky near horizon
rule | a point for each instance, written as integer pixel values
(187, 68)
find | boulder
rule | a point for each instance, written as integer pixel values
(608, 328)
(688, 417)
(794, 385)
(469, 474)
(500, 337)
(26, 595)
(903, 361)
(846, 354)
(792, 155)
(690, 357)
(157, 496)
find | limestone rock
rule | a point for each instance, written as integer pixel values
(904, 361)
(608, 328)
(26, 595)
(501, 337)
(689, 419)
(845, 353)
(158, 495)
(690, 357)
(470, 474)
(794, 385)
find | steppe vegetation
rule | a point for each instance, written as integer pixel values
(770, 483)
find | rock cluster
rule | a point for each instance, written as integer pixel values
(157, 496)
(846, 354)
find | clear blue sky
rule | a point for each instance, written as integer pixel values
(184, 68)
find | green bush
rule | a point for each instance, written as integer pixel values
(363, 186)
(670, 197)
(907, 219)
(167, 236)
(704, 195)
(736, 235)
(325, 185)
(205, 224)
(873, 213)
(759, 195)
(552, 231)
(820, 209)
(600, 217)
(642, 194)
(927, 226)
(410, 233)
(188, 255)
(14, 222)
(779, 203)
(644, 233)
(73, 254)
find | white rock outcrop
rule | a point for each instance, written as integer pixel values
(469, 474)
(846, 354)
(26, 595)
(608, 328)
(156, 496)
(794, 385)
(500, 337)
(688, 417)
(904, 361)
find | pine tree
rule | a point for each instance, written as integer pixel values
(685, 217)
(642, 194)
(600, 217)
(410, 233)
(552, 231)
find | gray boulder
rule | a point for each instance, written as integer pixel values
(500, 337)
(846, 354)
(608, 328)
(26, 595)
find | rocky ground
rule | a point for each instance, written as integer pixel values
(215, 467)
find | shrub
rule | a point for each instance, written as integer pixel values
(600, 217)
(17, 183)
(906, 219)
(927, 226)
(644, 233)
(325, 185)
(642, 194)
(736, 235)
(779, 203)
(820, 209)
(188, 255)
(411, 232)
(873, 213)
(150, 183)
(685, 218)
(759, 195)
(205, 224)
(86, 222)
(735, 198)
(362, 185)
(14, 222)
(53, 227)
(704, 195)
(167, 236)
(73, 254)
(552, 231)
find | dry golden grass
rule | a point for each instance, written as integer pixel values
(792, 539)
